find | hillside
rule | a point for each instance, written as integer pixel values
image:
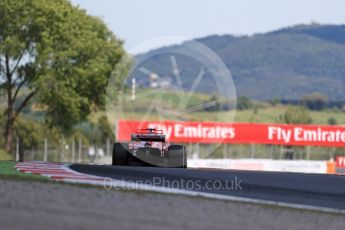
(286, 64)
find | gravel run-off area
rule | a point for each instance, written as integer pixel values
(33, 205)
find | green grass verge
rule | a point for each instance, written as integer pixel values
(7, 171)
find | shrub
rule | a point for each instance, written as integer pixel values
(4, 156)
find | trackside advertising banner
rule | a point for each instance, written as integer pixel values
(340, 162)
(238, 133)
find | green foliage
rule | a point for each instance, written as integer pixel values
(295, 115)
(244, 103)
(94, 132)
(33, 133)
(275, 101)
(332, 121)
(79, 135)
(64, 56)
(335, 33)
(105, 129)
(2, 127)
(315, 101)
(212, 104)
(4, 156)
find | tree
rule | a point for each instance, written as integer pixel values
(213, 103)
(106, 131)
(244, 103)
(275, 101)
(295, 115)
(315, 101)
(59, 54)
(31, 133)
(332, 121)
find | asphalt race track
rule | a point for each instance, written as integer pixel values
(319, 190)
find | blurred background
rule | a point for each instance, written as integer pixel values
(287, 60)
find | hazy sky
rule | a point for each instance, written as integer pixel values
(137, 21)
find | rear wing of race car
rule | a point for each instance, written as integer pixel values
(148, 135)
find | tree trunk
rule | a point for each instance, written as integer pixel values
(10, 115)
(9, 124)
(9, 134)
(21, 150)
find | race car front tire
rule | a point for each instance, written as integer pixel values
(120, 154)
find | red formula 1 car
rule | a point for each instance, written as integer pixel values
(149, 148)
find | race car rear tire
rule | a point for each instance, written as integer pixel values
(177, 156)
(120, 154)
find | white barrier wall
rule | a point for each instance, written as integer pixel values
(252, 164)
(300, 166)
